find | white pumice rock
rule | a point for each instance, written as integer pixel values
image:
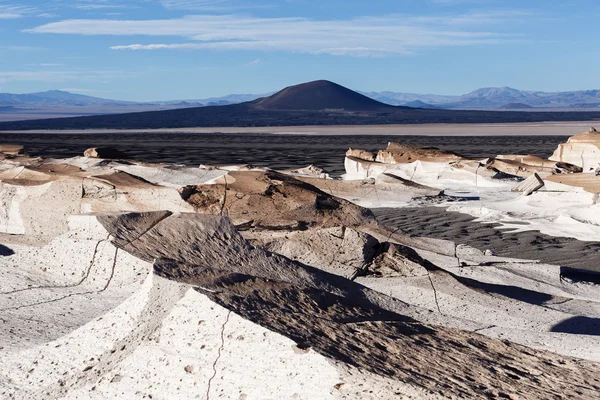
(121, 279)
(582, 150)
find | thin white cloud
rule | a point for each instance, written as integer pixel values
(211, 5)
(12, 11)
(269, 46)
(372, 36)
(91, 7)
(46, 75)
(477, 18)
(253, 62)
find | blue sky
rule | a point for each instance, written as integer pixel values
(186, 49)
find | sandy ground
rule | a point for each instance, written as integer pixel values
(277, 151)
(515, 129)
(438, 223)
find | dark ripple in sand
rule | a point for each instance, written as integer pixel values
(437, 223)
(275, 151)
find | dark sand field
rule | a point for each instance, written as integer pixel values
(438, 223)
(276, 151)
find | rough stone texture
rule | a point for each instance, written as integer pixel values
(50, 290)
(342, 251)
(385, 190)
(40, 210)
(396, 260)
(271, 200)
(398, 153)
(250, 362)
(439, 360)
(169, 176)
(128, 228)
(211, 243)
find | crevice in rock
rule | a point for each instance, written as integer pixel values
(109, 280)
(85, 276)
(484, 328)
(112, 271)
(46, 301)
(456, 254)
(224, 196)
(435, 297)
(214, 365)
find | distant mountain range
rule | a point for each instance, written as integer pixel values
(61, 97)
(54, 97)
(493, 98)
(312, 103)
(500, 97)
(59, 103)
(485, 98)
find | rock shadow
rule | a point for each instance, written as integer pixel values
(6, 251)
(341, 319)
(575, 275)
(580, 325)
(437, 360)
(512, 292)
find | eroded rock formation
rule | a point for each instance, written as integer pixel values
(582, 150)
(272, 200)
(128, 279)
(397, 153)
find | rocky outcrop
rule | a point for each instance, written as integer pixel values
(361, 154)
(530, 185)
(11, 149)
(353, 251)
(399, 153)
(423, 167)
(582, 150)
(311, 170)
(271, 200)
(128, 279)
(326, 312)
(525, 165)
(104, 152)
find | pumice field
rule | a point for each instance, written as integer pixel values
(125, 279)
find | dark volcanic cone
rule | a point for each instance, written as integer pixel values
(319, 95)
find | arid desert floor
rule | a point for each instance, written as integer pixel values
(415, 272)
